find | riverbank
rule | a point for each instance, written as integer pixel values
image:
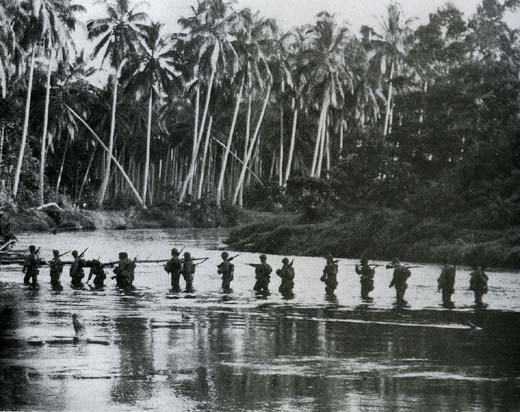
(380, 235)
(53, 219)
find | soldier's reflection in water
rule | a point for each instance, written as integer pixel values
(135, 382)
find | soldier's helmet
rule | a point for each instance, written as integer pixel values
(56, 252)
(285, 261)
(187, 255)
(75, 253)
(396, 261)
(224, 255)
(263, 257)
(175, 252)
(32, 248)
(364, 260)
(329, 257)
(123, 255)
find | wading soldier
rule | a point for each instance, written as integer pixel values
(56, 269)
(330, 275)
(188, 271)
(173, 267)
(401, 275)
(124, 271)
(97, 270)
(76, 269)
(31, 266)
(226, 269)
(478, 283)
(287, 275)
(446, 284)
(262, 275)
(366, 273)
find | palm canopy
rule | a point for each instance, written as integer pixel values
(157, 64)
(322, 62)
(119, 33)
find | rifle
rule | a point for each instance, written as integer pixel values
(255, 265)
(195, 259)
(82, 253)
(227, 260)
(290, 264)
(203, 260)
(63, 254)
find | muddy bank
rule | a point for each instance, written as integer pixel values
(381, 235)
(53, 219)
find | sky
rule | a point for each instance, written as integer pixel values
(290, 13)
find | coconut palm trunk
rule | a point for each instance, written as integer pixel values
(251, 147)
(87, 172)
(220, 186)
(106, 177)
(321, 125)
(291, 147)
(280, 164)
(204, 156)
(45, 128)
(389, 102)
(25, 125)
(62, 166)
(148, 142)
(246, 142)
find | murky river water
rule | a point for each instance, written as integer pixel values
(154, 350)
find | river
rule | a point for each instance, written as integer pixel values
(151, 349)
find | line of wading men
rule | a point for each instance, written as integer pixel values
(186, 267)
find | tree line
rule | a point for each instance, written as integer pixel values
(232, 105)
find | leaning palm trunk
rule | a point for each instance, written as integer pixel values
(44, 134)
(389, 102)
(280, 165)
(291, 147)
(324, 109)
(220, 186)
(60, 175)
(148, 139)
(204, 156)
(246, 142)
(2, 138)
(106, 177)
(25, 125)
(323, 138)
(116, 162)
(251, 147)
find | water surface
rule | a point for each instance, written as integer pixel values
(152, 349)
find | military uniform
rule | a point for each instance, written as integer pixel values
(188, 271)
(330, 276)
(262, 275)
(287, 275)
(366, 274)
(446, 284)
(97, 270)
(401, 275)
(124, 271)
(56, 269)
(31, 267)
(76, 270)
(226, 269)
(478, 283)
(174, 267)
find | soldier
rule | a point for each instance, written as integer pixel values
(31, 266)
(330, 275)
(188, 271)
(262, 275)
(446, 284)
(124, 271)
(478, 283)
(76, 269)
(287, 275)
(173, 267)
(366, 273)
(401, 275)
(97, 270)
(56, 269)
(226, 269)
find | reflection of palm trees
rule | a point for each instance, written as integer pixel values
(136, 358)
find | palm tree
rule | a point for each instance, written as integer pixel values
(389, 51)
(58, 22)
(154, 75)
(208, 32)
(119, 34)
(322, 62)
